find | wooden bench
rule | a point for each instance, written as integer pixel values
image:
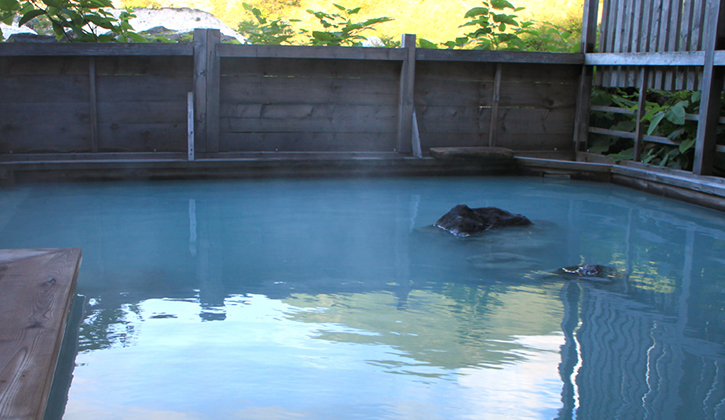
(36, 291)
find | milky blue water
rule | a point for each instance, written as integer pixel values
(337, 299)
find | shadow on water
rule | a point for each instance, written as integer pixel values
(315, 281)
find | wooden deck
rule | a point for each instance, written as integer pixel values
(36, 291)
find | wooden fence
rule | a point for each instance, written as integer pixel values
(72, 101)
(658, 44)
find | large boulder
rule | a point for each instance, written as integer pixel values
(464, 221)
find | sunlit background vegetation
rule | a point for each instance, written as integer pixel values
(435, 20)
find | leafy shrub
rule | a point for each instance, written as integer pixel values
(74, 20)
(265, 32)
(666, 116)
(497, 28)
(339, 29)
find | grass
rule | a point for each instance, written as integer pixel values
(435, 20)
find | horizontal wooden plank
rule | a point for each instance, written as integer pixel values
(308, 142)
(38, 288)
(278, 90)
(499, 56)
(538, 95)
(41, 137)
(141, 112)
(683, 58)
(613, 110)
(297, 111)
(453, 93)
(96, 157)
(142, 137)
(293, 51)
(160, 66)
(39, 112)
(48, 88)
(535, 129)
(616, 133)
(432, 71)
(454, 120)
(629, 135)
(361, 124)
(27, 66)
(680, 179)
(143, 88)
(430, 140)
(94, 49)
(309, 68)
(555, 73)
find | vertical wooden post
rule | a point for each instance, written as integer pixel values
(639, 132)
(712, 85)
(190, 125)
(493, 127)
(589, 34)
(93, 103)
(206, 89)
(406, 99)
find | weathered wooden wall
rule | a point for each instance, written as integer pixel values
(130, 101)
(273, 104)
(535, 105)
(142, 102)
(93, 104)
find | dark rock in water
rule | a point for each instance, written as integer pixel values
(592, 272)
(463, 221)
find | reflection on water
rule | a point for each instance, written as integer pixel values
(337, 299)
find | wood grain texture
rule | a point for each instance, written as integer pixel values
(38, 287)
(308, 142)
(94, 49)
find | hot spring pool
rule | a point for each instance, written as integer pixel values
(337, 299)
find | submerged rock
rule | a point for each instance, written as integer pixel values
(464, 221)
(591, 272)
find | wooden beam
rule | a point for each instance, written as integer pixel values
(712, 86)
(93, 103)
(206, 89)
(478, 56)
(37, 290)
(406, 97)
(584, 95)
(641, 105)
(681, 58)
(190, 125)
(324, 53)
(93, 49)
(492, 129)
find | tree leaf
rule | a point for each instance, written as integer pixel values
(501, 4)
(655, 122)
(476, 11)
(30, 16)
(676, 115)
(424, 43)
(686, 145)
(9, 6)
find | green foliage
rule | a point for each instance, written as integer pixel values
(493, 28)
(262, 31)
(339, 28)
(549, 37)
(666, 116)
(74, 20)
(498, 29)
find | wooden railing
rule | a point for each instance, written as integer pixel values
(659, 44)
